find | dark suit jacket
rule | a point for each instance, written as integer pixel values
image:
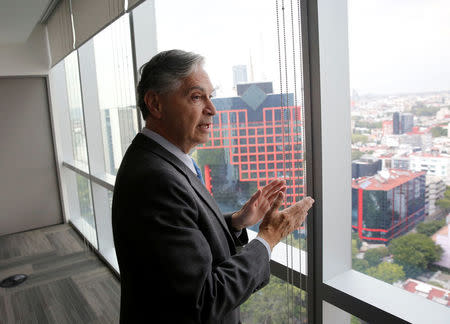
(177, 254)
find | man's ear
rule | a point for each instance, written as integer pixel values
(153, 103)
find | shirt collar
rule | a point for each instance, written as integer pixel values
(185, 158)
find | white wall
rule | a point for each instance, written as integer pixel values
(29, 58)
(29, 193)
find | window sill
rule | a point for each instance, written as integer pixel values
(105, 180)
(397, 305)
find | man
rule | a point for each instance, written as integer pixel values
(178, 255)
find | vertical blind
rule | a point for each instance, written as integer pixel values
(89, 17)
(59, 29)
(290, 63)
(80, 20)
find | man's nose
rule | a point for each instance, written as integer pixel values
(210, 108)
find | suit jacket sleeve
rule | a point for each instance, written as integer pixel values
(169, 233)
(240, 240)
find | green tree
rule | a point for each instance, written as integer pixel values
(367, 124)
(419, 109)
(355, 236)
(374, 256)
(355, 249)
(210, 157)
(415, 252)
(429, 228)
(444, 203)
(388, 272)
(356, 154)
(373, 200)
(84, 198)
(356, 320)
(356, 138)
(360, 265)
(271, 304)
(438, 131)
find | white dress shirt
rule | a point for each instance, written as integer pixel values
(186, 159)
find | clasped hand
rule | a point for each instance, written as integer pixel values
(258, 205)
(265, 204)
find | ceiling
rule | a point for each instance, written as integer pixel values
(18, 19)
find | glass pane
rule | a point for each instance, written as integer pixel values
(75, 109)
(102, 202)
(80, 204)
(400, 143)
(333, 314)
(255, 65)
(257, 132)
(278, 302)
(116, 90)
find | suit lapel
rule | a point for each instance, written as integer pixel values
(201, 190)
(195, 182)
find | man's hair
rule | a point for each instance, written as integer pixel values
(164, 73)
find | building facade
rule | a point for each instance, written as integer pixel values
(365, 166)
(245, 150)
(435, 189)
(433, 163)
(388, 204)
(402, 123)
(239, 74)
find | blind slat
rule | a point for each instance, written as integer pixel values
(60, 35)
(89, 17)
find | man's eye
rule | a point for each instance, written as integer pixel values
(196, 97)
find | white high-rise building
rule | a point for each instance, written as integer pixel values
(239, 74)
(434, 190)
(434, 163)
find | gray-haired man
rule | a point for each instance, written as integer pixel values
(177, 253)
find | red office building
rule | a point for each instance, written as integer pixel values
(387, 204)
(256, 137)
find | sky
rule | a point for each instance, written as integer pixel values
(226, 33)
(399, 45)
(394, 45)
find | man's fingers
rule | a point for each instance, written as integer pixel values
(274, 195)
(278, 202)
(301, 206)
(255, 197)
(273, 186)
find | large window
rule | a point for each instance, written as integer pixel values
(252, 53)
(400, 102)
(256, 68)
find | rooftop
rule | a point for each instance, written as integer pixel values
(386, 179)
(440, 295)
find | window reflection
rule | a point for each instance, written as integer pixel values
(75, 109)
(116, 91)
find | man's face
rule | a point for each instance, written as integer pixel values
(187, 113)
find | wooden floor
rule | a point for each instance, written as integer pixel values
(66, 282)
